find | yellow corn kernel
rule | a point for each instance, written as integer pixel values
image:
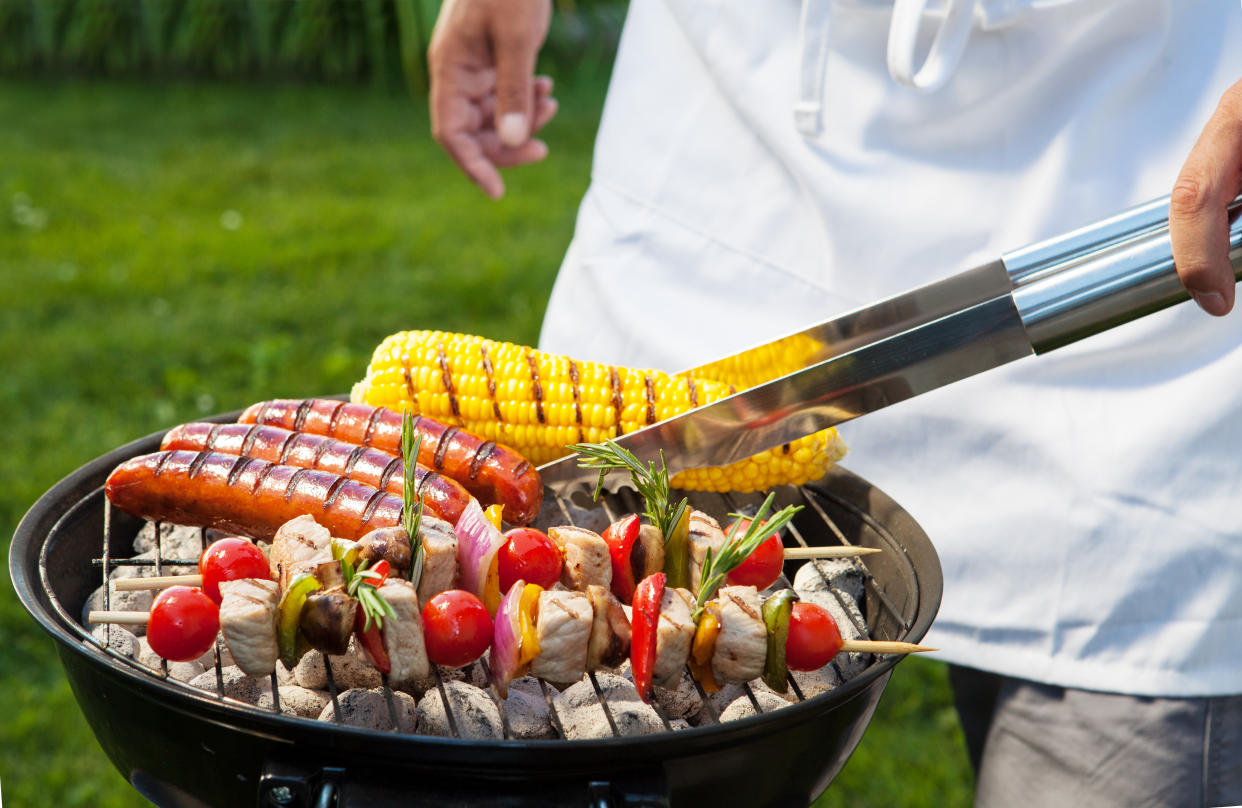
(540, 404)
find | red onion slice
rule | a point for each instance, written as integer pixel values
(504, 657)
(478, 542)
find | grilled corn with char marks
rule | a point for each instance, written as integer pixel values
(540, 403)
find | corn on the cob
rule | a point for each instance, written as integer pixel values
(540, 404)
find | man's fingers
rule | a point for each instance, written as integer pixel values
(470, 155)
(545, 110)
(532, 151)
(515, 45)
(1198, 222)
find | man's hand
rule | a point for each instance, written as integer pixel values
(1198, 222)
(486, 101)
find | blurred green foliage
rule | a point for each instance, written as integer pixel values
(378, 41)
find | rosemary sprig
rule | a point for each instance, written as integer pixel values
(737, 548)
(358, 585)
(651, 484)
(411, 510)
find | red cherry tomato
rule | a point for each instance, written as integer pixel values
(457, 628)
(528, 555)
(814, 638)
(761, 568)
(229, 560)
(183, 624)
(381, 568)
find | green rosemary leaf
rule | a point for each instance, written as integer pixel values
(412, 500)
(737, 548)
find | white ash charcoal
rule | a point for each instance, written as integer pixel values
(208, 660)
(368, 709)
(237, 685)
(139, 601)
(299, 701)
(678, 724)
(812, 683)
(527, 711)
(181, 671)
(176, 541)
(722, 698)
(118, 639)
(681, 701)
(742, 707)
(474, 713)
(284, 676)
(848, 618)
(349, 670)
(583, 716)
(843, 574)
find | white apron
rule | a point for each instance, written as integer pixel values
(1085, 504)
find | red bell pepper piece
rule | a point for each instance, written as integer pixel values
(620, 537)
(383, 569)
(645, 622)
(372, 641)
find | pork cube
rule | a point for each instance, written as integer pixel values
(586, 557)
(705, 534)
(674, 632)
(403, 633)
(564, 629)
(248, 622)
(298, 546)
(742, 645)
(439, 557)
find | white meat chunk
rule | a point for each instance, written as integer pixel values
(586, 557)
(248, 622)
(742, 645)
(674, 633)
(297, 547)
(403, 633)
(439, 557)
(705, 533)
(564, 629)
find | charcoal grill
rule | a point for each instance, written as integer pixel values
(184, 747)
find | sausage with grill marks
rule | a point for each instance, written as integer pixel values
(246, 496)
(443, 496)
(493, 473)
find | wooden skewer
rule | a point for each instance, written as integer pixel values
(833, 551)
(120, 618)
(156, 582)
(883, 647)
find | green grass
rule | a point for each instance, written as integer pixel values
(169, 251)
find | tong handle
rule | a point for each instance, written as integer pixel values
(1102, 275)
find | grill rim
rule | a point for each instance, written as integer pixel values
(57, 504)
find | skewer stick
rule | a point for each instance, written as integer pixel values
(883, 647)
(119, 618)
(156, 582)
(835, 551)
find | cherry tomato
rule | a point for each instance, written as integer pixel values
(229, 560)
(529, 555)
(457, 628)
(183, 623)
(761, 568)
(814, 638)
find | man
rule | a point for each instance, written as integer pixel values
(763, 166)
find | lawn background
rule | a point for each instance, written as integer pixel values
(171, 250)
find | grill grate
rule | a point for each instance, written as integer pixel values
(815, 521)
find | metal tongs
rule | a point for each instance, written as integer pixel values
(1027, 302)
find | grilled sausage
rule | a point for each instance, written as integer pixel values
(246, 496)
(493, 473)
(442, 495)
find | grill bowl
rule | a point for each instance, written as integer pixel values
(183, 747)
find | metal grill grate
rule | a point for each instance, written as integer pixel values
(814, 522)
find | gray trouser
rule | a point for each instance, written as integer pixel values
(1040, 745)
